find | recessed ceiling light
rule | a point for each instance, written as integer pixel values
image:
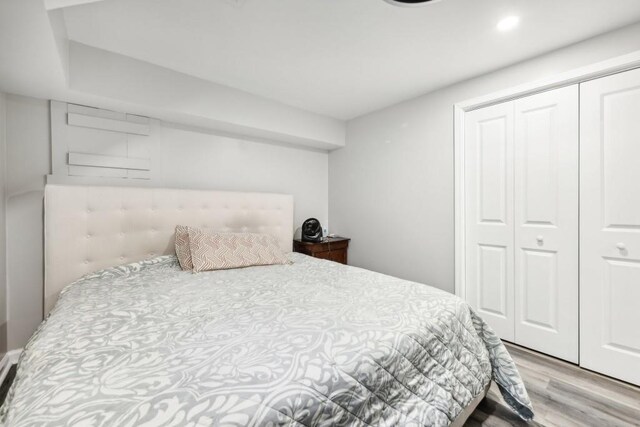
(508, 23)
(409, 3)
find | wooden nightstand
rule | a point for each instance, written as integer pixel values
(331, 248)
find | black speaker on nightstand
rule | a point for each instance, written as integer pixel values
(311, 231)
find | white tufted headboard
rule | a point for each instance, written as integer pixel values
(91, 228)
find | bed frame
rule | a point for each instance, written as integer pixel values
(88, 228)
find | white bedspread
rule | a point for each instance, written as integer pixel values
(312, 343)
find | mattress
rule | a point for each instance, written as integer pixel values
(313, 343)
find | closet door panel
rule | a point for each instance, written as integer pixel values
(489, 215)
(610, 226)
(546, 222)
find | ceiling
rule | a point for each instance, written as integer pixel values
(341, 58)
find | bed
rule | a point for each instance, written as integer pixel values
(305, 344)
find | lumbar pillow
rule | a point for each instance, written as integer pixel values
(221, 251)
(183, 251)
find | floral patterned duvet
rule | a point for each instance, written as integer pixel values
(314, 343)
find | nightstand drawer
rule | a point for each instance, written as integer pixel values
(332, 249)
(337, 255)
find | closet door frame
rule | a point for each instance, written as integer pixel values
(580, 75)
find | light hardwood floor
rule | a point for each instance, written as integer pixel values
(562, 395)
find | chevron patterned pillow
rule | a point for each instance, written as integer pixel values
(183, 251)
(221, 251)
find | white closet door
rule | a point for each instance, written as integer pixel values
(610, 226)
(489, 215)
(546, 222)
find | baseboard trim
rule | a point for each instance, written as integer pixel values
(10, 358)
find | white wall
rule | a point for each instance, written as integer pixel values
(391, 189)
(28, 162)
(189, 100)
(188, 159)
(181, 158)
(3, 241)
